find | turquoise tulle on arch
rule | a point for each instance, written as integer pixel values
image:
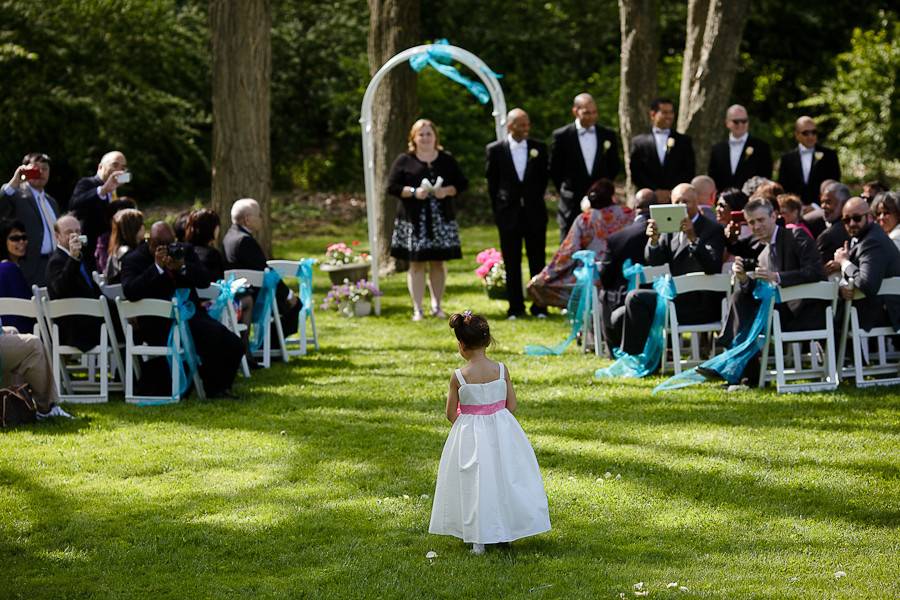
(440, 60)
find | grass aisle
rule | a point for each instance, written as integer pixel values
(317, 483)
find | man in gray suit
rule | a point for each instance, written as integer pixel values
(24, 198)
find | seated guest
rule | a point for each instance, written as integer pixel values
(150, 271)
(706, 195)
(242, 251)
(871, 189)
(872, 259)
(553, 285)
(834, 234)
(12, 281)
(202, 232)
(180, 225)
(69, 277)
(127, 232)
(791, 210)
(101, 252)
(886, 210)
(729, 201)
(23, 357)
(696, 248)
(754, 183)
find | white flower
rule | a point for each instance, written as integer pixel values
(618, 476)
(644, 593)
(672, 585)
(670, 143)
(406, 496)
(819, 155)
(424, 496)
(839, 574)
(585, 204)
(607, 474)
(638, 586)
(431, 555)
(533, 153)
(606, 145)
(682, 588)
(748, 151)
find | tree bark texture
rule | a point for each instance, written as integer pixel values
(714, 32)
(241, 77)
(640, 52)
(394, 26)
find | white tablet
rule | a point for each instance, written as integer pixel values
(668, 217)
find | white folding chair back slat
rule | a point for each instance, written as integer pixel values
(865, 373)
(255, 279)
(651, 273)
(684, 284)
(111, 290)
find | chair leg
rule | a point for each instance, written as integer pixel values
(857, 349)
(676, 348)
(129, 372)
(315, 335)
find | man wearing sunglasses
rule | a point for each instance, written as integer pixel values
(803, 169)
(866, 260)
(741, 156)
(25, 199)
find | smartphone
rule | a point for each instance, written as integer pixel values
(124, 177)
(32, 173)
(83, 239)
(737, 216)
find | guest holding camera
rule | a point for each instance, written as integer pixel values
(92, 195)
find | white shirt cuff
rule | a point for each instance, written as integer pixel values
(159, 269)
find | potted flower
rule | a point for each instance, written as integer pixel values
(343, 262)
(492, 273)
(351, 299)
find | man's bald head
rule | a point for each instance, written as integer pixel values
(518, 124)
(856, 216)
(855, 205)
(161, 234)
(585, 109)
(644, 199)
(110, 163)
(706, 189)
(736, 120)
(805, 131)
(65, 227)
(685, 193)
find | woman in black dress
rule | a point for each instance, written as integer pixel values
(426, 179)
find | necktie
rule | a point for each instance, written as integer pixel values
(586, 131)
(86, 275)
(49, 221)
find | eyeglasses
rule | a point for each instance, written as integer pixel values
(809, 132)
(854, 218)
(740, 121)
(18, 238)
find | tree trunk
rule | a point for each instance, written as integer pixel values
(714, 32)
(241, 76)
(640, 52)
(394, 26)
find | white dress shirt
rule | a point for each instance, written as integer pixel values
(736, 147)
(587, 139)
(662, 139)
(806, 160)
(519, 151)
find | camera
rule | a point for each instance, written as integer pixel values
(124, 177)
(83, 239)
(175, 250)
(31, 173)
(750, 264)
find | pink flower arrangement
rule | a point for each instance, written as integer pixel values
(492, 270)
(341, 254)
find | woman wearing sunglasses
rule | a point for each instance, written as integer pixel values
(12, 280)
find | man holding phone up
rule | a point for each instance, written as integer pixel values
(25, 199)
(93, 194)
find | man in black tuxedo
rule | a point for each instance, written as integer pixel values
(517, 179)
(625, 244)
(242, 251)
(697, 248)
(663, 158)
(582, 153)
(866, 261)
(93, 194)
(25, 199)
(803, 169)
(741, 156)
(833, 235)
(149, 271)
(69, 277)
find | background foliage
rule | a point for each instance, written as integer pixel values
(80, 77)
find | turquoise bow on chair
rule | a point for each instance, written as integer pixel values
(631, 272)
(304, 277)
(186, 311)
(225, 297)
(262, 308)
(440, 59)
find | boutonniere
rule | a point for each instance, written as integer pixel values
(670, 143)
(533, 153)
(748, 151)
(606, 145)
(819, 155)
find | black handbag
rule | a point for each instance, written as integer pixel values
(17, 406)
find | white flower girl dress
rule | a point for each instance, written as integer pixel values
(489, 487)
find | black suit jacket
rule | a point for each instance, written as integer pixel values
(703, 256)
(567, 165)
(757, 163)
(647, 172)
(790, 173)
(242, 251)
(91, 211)
(830, 240)
(66, 280)
(625, 244)
(517, 203)
(874, 258)
(23, 206)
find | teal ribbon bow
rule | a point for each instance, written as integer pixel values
(580, 303)
(441, 60)
(749, 341)
(629, 365)
(186, 311)
(304, 277)
(631, 272)
(226, 296)
(262, 307)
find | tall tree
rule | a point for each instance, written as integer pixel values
(241, 76)
(394, 26)
(640, 53)
(714, 32)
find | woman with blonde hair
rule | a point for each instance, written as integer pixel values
(426, 179)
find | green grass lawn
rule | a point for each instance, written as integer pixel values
(317, 483)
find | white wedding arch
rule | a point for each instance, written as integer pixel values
(459, 54)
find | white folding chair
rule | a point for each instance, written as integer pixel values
(695, 282)
(20, 307)
(860, 341)
(255, 279)
(228, 318)
(819, 376)
(288, 269)
(651, 273)
(163, 309)
(90, 307)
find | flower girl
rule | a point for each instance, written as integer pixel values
(489, 487)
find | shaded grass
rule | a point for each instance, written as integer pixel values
(311, 485)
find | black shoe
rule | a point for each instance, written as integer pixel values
(515, 314)
(537, 311)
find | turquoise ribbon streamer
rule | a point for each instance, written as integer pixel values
(631, 272)
(304, 277)
(186, 311)
(441, 60)
(226, 296)
(628, 365)
(579, 303)
(261, 308)
(749, 341)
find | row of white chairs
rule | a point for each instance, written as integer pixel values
(817, 357)
(101, 369)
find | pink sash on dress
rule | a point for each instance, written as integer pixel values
(482, 409)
